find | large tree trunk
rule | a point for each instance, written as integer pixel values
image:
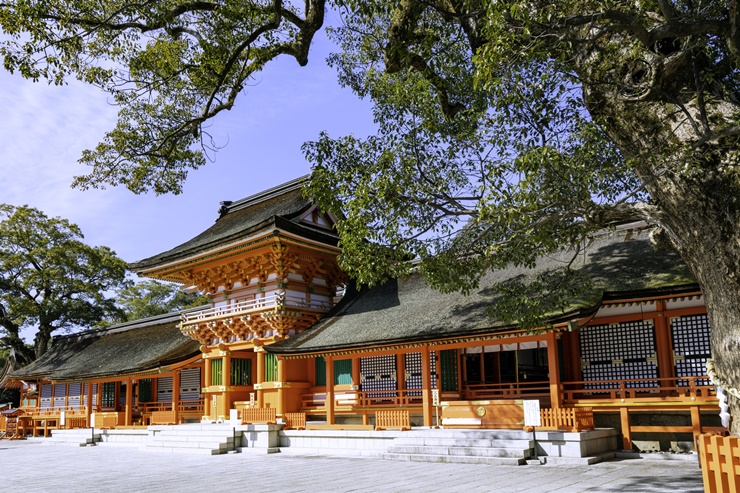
(696, 193)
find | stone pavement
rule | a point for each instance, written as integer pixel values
(30, 466)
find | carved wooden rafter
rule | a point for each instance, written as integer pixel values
(199, 332)
(283, 260)
(221, 329)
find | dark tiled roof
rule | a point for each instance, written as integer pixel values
(408, 309)
(277, 207)
(127, 348)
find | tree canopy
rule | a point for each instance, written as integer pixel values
(149, 298)
(507, 129)
(50, 280)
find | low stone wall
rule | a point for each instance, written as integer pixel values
(583, 444)
(336, 442)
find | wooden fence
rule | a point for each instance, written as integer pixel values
(295, 421)
(266, 415)
(392, 419)
(163, 418)
(567, 418)
(720, 463)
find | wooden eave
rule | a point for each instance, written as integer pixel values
(174, 271)
(458, 342)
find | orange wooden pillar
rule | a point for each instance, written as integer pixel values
(280, 392)
(176, 394)
(426, 386)
(553, 365)
(329, 390)
(129, 403)
(260, 375)
(356, 378)
(226, 381)
(624, 416)
(401, 371)
(356, 382)
(663, 342)
(89, 409)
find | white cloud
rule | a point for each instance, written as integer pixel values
(44, 129)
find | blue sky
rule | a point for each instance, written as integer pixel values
(44, 129)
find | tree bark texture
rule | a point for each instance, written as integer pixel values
(695, 187)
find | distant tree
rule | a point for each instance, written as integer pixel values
(7, 395)
(148, 298)
(50, 281)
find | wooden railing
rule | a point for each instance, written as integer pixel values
(150, 407)
(567, 418)
(246, 306)
(295, 421)
(392, 419)
(186, 406)
(264, 415)
(513, 390)
(375, 398)
(720, 463)
(671, 388)
(385, 398)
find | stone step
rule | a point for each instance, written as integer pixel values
(464, 442)
(460, 451)
(68, 443)
(471, 434)
(179, 450)
(189, 445)
(191, 438)
(493, 461)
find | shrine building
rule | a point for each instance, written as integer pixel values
(288, 332)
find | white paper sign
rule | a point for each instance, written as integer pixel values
(532, 413)
(435, 397)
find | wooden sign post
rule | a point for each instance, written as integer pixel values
(532, 418)
(435, 403)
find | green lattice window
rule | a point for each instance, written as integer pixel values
(271, 368)
(448, 359)
(145, 390)
(217, 371)
(108, 397)
(320, 371)
(343, 372)
(241, 371)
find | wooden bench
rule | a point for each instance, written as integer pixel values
(399, 420)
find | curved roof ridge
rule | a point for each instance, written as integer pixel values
(265, 195)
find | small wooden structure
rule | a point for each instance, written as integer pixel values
(720, 463)
(398, 420)
(14, 429)
(259, 415)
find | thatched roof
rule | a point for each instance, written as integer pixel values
(279, 207)
(140, 346)
(406, 310)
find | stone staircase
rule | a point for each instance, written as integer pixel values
(77, 437)
(494, 447)
(208, 439)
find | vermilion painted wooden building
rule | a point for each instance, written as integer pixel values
(288, 329)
